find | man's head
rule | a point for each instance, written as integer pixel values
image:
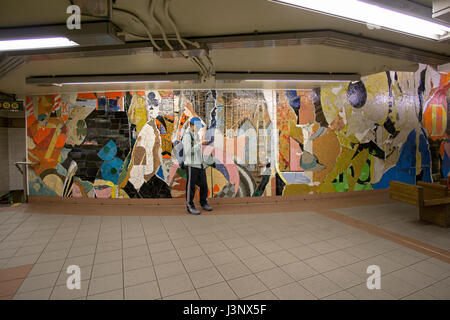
(195, 123)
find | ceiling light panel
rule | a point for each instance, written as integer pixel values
(374, 16)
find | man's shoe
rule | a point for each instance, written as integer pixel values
(206, 207)
(192, 210)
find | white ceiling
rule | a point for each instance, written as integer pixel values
(200, 18)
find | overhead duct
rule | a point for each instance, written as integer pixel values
(273, 76)
(327, 38)
(85, 52)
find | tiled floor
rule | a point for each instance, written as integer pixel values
(297, 255)
(401, 218)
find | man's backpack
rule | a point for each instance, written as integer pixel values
(180, 152)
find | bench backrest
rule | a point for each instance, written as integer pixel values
(433, 190)
(406, 192)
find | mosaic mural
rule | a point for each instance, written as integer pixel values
(336, 138)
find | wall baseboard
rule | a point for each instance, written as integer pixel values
(213, 201)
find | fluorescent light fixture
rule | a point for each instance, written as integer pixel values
(288, 77)
(285, 80)
(111, 79)
(108, 82)
(374, 16)
(39, 43)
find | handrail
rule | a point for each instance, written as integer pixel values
(25, 178)
(24, 163)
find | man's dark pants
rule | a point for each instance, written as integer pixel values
(196, 176)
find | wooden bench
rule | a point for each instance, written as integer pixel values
(431, 198)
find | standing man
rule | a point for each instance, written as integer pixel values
(195, 166)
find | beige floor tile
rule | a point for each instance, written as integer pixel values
(190, 252)
(246, 252)
(397, 287)
(361, 292)
(7, 253)
(184, 242)
(260, 263)
(342, 295)
(28, 250)
(299, 270)
(174, 285)
(38, 282)
(169, 269)
(234, 243)
(206, 277)
(247, 286)
(188, 295)
(138, 276)
(218, 291)
(293, 291)
(274, 278)
(223, 257)
(206, 238)
(41, 294)
(360, 252)
(52, 255)
(266, 295)
(197, 263)
(403, 257)
(137, 263)
(320, 286)
(288, 243)
(341, 257)
(323, 247)
(110, 295)
(144, 291)
(161, 246)
(109, 246)
(321, 264)
(304, 252)
(81, 251)
(431, 269)
(344, 278)
(134, 242)
(108, 268)
(440, 290)
(413, 277)
(58, 245)
(268, 247)
(419, 295)
(105, 284)
(63, 293)
(136, 251)
(155, 238)
(233, 270)
(46, 267)
(165, 257)
(281, 258)
(21, 260)
(255, 238)
(108, 256)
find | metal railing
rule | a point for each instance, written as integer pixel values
(24, 172)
